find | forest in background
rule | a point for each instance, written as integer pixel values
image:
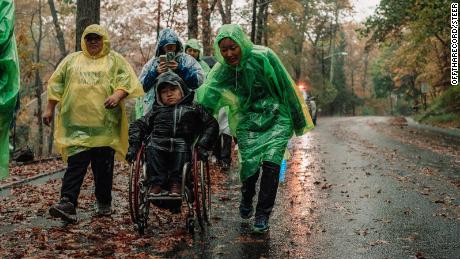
(394, 61)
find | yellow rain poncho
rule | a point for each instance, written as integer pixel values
(81, 84)
(9, 79)
(265, 107)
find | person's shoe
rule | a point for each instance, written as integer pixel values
(260, 225)
(246, 211)
(64, 210)
(213, 159)
(156, 190)
(175, 189)
(103, 209)
(225, 166)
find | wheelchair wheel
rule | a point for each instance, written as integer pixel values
(197, 190)
(138, 199)
(205, 188)
(188, 197)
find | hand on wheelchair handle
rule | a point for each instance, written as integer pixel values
(202, 154)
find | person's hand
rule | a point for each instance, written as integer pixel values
(48, 117)
(173, 65)
(162, 67)
(202, 154)
(131, 155)
(112, 101)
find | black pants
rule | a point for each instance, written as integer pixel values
(164, 168)
(223, 148)
(102, 160)
(268, 188)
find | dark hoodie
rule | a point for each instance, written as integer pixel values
(174, 128)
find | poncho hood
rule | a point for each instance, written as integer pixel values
(168, 36)
(235, 33)
(194, 44)
(174, 79)
(101, 31)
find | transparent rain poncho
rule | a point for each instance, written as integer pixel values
(195, 44)
(188, 69)
(265, 106)
(80, 84)
(9, 79)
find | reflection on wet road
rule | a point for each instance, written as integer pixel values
(355, 188)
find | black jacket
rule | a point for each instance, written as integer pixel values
(174, 128)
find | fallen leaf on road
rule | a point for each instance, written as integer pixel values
(362, 232)
(379, 242)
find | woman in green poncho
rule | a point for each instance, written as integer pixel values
(264, 112)
(9, 80)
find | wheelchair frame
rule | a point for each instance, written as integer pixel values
(197, 198)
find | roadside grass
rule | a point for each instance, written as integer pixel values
(444, 111)
(449, 120)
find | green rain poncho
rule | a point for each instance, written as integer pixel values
(194, 44)
(9, 79)
(265, 107)
(80, 84)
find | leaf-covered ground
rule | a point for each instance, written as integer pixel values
(28, 231)
(20, 171)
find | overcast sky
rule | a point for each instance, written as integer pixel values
(363, 8)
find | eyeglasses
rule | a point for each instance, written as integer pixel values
(93, 37)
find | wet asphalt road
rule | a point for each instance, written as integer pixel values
(356, 187)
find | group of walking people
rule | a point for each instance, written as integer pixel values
(248, 90)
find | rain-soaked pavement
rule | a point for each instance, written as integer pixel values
(357, 187)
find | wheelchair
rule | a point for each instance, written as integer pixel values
(195, 193)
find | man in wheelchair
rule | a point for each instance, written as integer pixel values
(169, 131)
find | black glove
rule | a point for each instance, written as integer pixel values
(202, 154)
(131, 155)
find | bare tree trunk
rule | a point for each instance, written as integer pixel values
(299, 39)
(225, 11)
(265, 32)
(261, 22)
(192, 7)
(171, 13)
(366, 64)
(228, 10)
(333, 36)
(88, 12)
(206, 11)
(297, 62)
(38, 82)
(57, 28)
(254, 18)
(63, 51)
(158, 18)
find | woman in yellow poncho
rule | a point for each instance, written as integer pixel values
(265, 110)
(91, 125)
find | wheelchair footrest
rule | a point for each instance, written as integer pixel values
(165, 198)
